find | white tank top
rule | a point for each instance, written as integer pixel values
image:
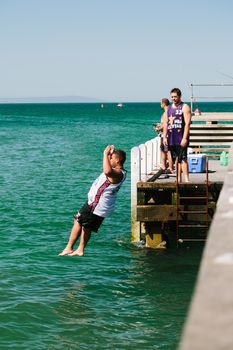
(102, 195)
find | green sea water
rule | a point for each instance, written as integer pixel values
(118, 296)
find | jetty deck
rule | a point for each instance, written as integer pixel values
(160, 206)
(216, 173)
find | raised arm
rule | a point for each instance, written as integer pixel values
(111, 168)
(107, 168)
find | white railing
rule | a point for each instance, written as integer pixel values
(144, 159)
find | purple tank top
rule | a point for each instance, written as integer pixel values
(175, 124)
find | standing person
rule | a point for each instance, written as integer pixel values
(101, 201)
(165, 153)
(176, 132)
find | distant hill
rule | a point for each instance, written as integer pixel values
(55, 99)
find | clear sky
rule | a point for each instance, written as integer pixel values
(113, 50)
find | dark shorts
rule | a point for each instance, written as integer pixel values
(178, 152)
(87, 219)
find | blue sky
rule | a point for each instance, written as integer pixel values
(114, 50)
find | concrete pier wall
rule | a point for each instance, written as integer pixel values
(209, 325)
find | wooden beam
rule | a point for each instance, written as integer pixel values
(211, 126)
(205, 150)
(215, 132)
(212, 138)
(156, 212)
(206, 143)
(218, 116)
(156, 185)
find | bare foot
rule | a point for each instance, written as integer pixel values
(77, 253)
(66, 251)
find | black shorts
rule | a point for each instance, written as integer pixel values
(178, 152)
(86, 218)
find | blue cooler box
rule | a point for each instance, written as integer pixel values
(196, 163)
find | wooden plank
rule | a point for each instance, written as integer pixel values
(204, 150)
(211, 132)
(199, 143)
(156, 212)
(212, 137)
(218, 116)
(212, 126)
(156, 185)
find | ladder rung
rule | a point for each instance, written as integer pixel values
(195, 184)
(193, 197)
(192, 212)
(193, 239)
(197, 226)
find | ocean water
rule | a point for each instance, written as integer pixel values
(118, 296)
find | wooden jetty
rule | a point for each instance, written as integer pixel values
(157, 202)
(163, 210)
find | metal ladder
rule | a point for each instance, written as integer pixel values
(186, 200)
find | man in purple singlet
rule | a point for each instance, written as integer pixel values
(176, 132)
